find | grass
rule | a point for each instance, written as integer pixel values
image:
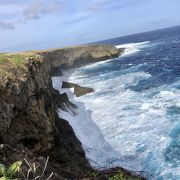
(112, 174)
(121, 176)
(10, 63)
(16, 58)
(3, 59)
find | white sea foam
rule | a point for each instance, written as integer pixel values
(87, 131)
(118, 126)
(132, 48)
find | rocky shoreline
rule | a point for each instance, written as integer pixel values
(29, 125)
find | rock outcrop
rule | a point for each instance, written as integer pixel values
(28, 105)
(81, 55)
(78, 90)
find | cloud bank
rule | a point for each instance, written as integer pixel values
(35, 10)
(6, 25)
(24, 12)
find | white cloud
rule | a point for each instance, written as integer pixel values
(14, 14)
(35, 10)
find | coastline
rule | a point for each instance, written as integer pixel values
(27, 96)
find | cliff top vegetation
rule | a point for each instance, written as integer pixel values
(11, 62)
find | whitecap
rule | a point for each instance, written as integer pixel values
(132, 48)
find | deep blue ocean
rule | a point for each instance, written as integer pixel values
(133, 118)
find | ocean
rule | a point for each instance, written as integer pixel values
(132, 119)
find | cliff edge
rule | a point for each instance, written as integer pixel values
(29, 124)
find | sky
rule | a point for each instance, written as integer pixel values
(41, 24)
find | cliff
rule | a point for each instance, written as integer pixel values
(80, 55)
(28, 105)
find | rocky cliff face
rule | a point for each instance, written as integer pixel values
(28, 109)
(28, 103)
(80, 55)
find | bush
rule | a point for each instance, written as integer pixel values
(10, 172)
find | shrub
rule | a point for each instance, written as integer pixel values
(9, 173)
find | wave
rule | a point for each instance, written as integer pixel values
(134, 124)
(132, 48)
(93, 142)
(119, 125)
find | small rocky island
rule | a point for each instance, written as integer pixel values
(30, 129)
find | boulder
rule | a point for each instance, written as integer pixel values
(78, 90)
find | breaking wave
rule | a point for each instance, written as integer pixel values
(133, 47)
(131, 120)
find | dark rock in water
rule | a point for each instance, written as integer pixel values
(121, 51)
(78, 90)
(68, 85)
(62, 101)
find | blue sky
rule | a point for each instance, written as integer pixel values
(39, 24)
